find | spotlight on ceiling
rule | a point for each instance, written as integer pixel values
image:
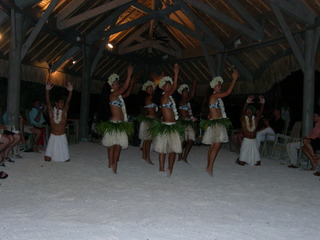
(74, 62)
(110, 45)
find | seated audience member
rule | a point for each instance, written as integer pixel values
(37, 119)
(12, 134)
(309, 144)
(4, 148)
(26, 127)
(275, 125)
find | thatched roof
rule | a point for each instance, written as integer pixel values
(206, 38)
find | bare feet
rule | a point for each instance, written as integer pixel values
(258, 163)
(46, 158)
(210, 172)
(148, 161)
(169, 172)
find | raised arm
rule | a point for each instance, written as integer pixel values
(69, 87)
(126, 83)
(193, 90)
(248, 101)
(234, 76)
(261, 101)
(129, 89)
(49, 86)
(175, 80)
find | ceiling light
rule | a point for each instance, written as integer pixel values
(110, 45)
(74, 62)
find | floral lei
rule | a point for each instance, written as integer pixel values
(253, 127)
(57, 115)
(174, 108)
(123, 108)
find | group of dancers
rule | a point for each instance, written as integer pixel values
(166, 124)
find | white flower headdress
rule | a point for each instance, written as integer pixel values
(215, 81)
(112, 78)
(182, 87)
(147, 84)
(164, 80)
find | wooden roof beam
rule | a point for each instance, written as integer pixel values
(66, 23)
(152, 15)
(289, 36)
(33, 35)
(26, 3)
(225, 19)
(247, 16)
(296, 8)
(70, 8)
(64, 58)
(3, 16)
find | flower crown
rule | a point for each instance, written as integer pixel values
(147, 84)
(182, 87)
(164, 80)
(215, 81)
(112, 78)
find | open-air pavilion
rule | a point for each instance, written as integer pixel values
(84, 41)
(265, 40)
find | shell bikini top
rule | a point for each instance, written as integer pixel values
(214, 105)
(167, 105)
(185, 107)
(151, 105)
(116, 103)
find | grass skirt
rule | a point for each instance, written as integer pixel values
(115, 133)
(57, 148)
(145, 124)
(249, 152)
(169, 138)
(215, 131)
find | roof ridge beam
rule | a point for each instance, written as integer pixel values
(152, 15)
(66, 23)
(225, 19)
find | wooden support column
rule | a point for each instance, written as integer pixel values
(85, 94)
(13, 98)
(308, 84)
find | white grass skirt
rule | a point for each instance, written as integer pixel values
(143, 130)
(115, 138)
(57, 148)
(168, 143)
(249, 152)
(189, 134)
(215, 133)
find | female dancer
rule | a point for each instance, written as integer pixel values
(150, 112)
(116, 131)
(217, 123)
(187, 118)
(167, 133)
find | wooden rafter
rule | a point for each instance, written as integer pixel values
(66, 23)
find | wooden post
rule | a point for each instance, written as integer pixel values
(85, 94)
(13, 98)
(308, 84)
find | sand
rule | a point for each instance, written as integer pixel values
(83, 199)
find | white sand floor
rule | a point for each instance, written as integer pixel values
(84, 200)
